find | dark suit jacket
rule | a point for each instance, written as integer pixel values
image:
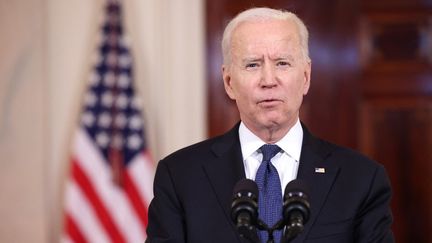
(193, 193)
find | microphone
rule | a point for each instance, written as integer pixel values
(296, 209)
(244, 208)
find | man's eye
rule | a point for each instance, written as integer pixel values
(283, 63)
(251, 65)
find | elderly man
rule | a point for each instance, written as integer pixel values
(266, 70)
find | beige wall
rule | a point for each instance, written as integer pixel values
(23, 146)
(46, 51)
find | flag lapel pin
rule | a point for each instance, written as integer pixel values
(320, 170)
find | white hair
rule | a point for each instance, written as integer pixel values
(254, 14)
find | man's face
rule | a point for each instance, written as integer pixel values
(268, 75)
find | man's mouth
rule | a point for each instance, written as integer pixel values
(269, 102)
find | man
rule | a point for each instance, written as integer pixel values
(267, 71)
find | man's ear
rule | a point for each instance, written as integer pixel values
(226, 75)
(307, 77)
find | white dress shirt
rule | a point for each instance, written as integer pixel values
(286, 161)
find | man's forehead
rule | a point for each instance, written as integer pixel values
(258, 47)
(265, 33)
(266, 25)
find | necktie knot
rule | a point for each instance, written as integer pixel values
(269, 151)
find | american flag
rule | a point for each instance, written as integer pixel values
(111, 175)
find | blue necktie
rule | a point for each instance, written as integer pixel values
(270, 194)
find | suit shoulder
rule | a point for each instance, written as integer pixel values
(345, 156)
(209, 148)
(334, 152)
(354, 168)
(190, 150)
(194, 153)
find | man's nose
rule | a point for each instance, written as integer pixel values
(268, 78)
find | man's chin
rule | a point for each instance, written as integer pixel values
(275, 123)
(271, 124)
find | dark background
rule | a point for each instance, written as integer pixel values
(371, 89)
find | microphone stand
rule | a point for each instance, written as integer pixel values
(263, 226)
(290, 232)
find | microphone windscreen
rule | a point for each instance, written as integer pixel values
(246, 185)
(244, 209)
(296, 186)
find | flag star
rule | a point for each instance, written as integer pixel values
(136, 103)
(94, 79)
(123, 81)
(125, 60)
(109, 79)
(107, 99)
(87, 119)
(90, 99)
(102, 139)
(135, 122)
(104, 120)
(134, 141)
(122, 101)
(125, 41)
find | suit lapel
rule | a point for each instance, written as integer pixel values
(226, 169)
(318, 175)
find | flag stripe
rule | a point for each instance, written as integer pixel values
(73, 230)
(99, 208)
(77, 205)
(142, 170)
(136, 201)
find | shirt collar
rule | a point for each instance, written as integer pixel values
(291, 143)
